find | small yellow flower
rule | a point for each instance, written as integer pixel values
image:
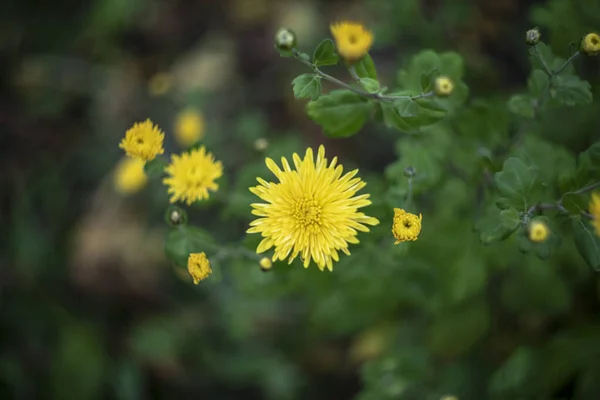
(129, 176)
(590, 44)
(538, 231)
(265, 263)
(143, 140)
(312, 212)
(160, 84)
(595, 211)
(198, 267)
(192, 175)
(261, 144)
(443, 86)
(406, 226)
(352, 40)
(189, 127)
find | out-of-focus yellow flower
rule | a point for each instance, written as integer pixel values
(189, 127)
(352, 40)
(595, 211)
(192, 175)
(449, 397)
(143, 140)
(265, 264)
(160, 84)
(261, 144)
(199, 267)
(538, 231)
(406, 226)
(590, 44)
(129, 176)
(443, 86)
(312, 212)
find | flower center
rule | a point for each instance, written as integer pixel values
(407, 224)
(594, 41)
(140, 141)
(352, 39)
(307, 212)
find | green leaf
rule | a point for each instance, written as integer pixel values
(587, 242)
(155, 168)
(184, 240)
(537, 83)
(365, 68)
(392, 119)
(469, 276)
(370, 85)
(283, 53)
(427, 80)
(497, 225)
(571, 90)
(128, 381)
(307, 86)
(588, 166)
(455, 331)
(511, 380)
(574, 203)
(552, 61)
(325, 54)
(516, 182)
(522, 105)
(341, 113)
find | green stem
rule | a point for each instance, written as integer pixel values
(588, 188)
(574, 56)
(559, 205)
(374, 96)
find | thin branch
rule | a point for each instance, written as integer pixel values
(587, 188)
(574, 56)
(546, 69)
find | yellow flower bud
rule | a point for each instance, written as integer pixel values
(265, 264)
(443, 86)
(406, 226)
(129, 176)
(590, 44)
(199, 267)
(538, 231)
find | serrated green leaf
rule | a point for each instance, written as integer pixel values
(497, 225)
(370, 85)
(588, 166)
(522, 105)
(511, 379)
(573, 202)
(341, 113)
(427, 80)
(537, 83)
(325, 54)
(307, 86)
(184, 240)
(392, 118)
(155, 168)
(571, 90)
(516, 182)
(365, 68)
(587, 242)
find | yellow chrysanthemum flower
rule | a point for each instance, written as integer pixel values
(352, 40)
(198, 267)
(595, 211)
(192, 175)
(443, 86)
(160, 84)
(311, 212)
(129, 176)
(189, 127)
(406, 226)
(590, 44)
(143, 140)
(537, 231)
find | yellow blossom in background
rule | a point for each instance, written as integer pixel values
(590, 44)
(189, 127)
(265, 263)
(443, 86)
(261, 144)
(129, 176)
(160, 84)
(143, 140)
(198, 267)
(538, 231)
(352, 40)
(595, 211)
(312, 212)
(192, 175)
(406, 226)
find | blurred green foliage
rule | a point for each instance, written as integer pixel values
(95, 301)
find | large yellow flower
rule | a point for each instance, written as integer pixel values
(595, 211)
(311, 212)
(189, 127)
(406, 226)
(192, 175)
(352, 40)
(143, 140)
(129, 175)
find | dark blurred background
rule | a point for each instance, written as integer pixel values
(90, 308)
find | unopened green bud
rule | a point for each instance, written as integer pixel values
(409, 172)
(533, 36)
(285, 39)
